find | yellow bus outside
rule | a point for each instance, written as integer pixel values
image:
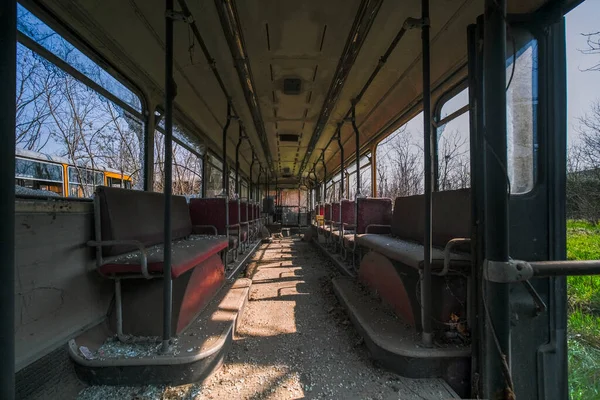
(37, 172)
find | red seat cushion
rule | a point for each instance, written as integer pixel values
(186, 254)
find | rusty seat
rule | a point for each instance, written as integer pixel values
(129, 230)
(402, 241)
(392, 267)
(345, 220)
(371, 212)
(223, 215)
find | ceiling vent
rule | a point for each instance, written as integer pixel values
(287, 172)
(288, 137)
(292, 86)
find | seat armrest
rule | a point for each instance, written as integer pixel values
(379, 229)
(452, 243)
(202, 229)
(137, 243)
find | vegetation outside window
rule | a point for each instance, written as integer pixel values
(63, 122)
(400, 161)
(214, 176)
(453, 146)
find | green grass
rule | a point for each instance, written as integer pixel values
(583, 243)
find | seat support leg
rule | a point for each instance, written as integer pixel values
(119, 311)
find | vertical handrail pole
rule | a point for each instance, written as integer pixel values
(477, 150)
(258, 183)
(250, 184)
(357, 141)
(148, 150)
(343, 171)
(168, 186)
(427, 335)
(225, 183)
(324, 177)
(342, 174)
(374, 171)
(496, 295)
(237, 161)
(8, 76)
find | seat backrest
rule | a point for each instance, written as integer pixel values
(234, 212)
(348, 212)
(243, 211)
(335, 212)
(327, 211)
(373, 211)
(211, 211)
(127, 214)
(451, 216)
(408, 221)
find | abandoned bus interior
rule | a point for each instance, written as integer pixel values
(244, 231)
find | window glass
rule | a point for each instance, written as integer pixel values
(38, 178)
(400, 161)
(365, 178)
(454, 168)
(34, 28)
(58, 116)
(214, 176)
(333, 189)
(186, 172)
(454, 104)
(521, 113)
(243, 189)
(232, 193)
(83, 181)
(29, 169)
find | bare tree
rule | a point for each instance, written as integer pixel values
(406, 167)
(583, 168)
(121, 143)
(593, 48)
(35, 78)
(453, 161)
(187, 169)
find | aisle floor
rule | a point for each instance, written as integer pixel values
(294, 341)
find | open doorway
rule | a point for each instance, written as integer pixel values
(583, 196)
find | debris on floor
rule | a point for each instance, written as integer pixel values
(294, 341)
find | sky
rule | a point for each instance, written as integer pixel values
(583, 87)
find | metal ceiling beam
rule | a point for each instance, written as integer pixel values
(363, 21)
(232, 31)
(213, 66)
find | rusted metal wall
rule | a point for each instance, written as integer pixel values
(58, 292)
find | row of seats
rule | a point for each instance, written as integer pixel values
(343, 222)
(129, 242)
(387, 244)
